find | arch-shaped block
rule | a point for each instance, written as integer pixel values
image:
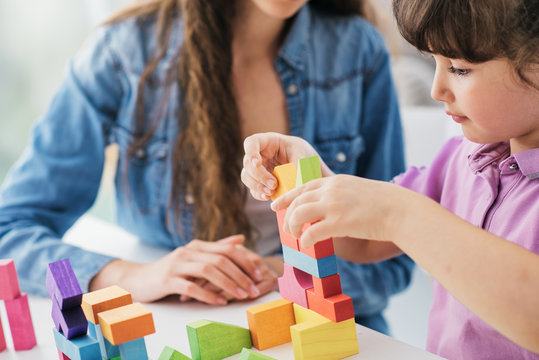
(294, 284)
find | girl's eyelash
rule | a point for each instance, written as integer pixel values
(459, 72)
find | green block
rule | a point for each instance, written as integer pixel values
(247, 354)
(308, 169)
(169, 353)
(211, 340)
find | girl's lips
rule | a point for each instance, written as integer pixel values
(456, 118)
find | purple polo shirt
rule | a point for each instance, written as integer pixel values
(499, 193)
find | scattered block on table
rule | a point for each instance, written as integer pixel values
(134, 350)
(286, 238)
(323, 339)
(108, 351)
(319, 250)
(270, 323)
(169, 353)
(209, 340)
(294, 284)
(336, 308)
(104, 299)
(20, 322)
(320, 268)
(126, 323)
(3, 345)
(71, 321)
(248, 354)
(80, 348)
(9, 281)
(308, 169)
(286, 177)
(62, 356)
(62, 284)
(327, 286)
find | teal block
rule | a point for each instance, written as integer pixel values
(320, 268)
(211, 340)
(80, 348)
(247, 354)
(108, 351)
(169, 353)
(308, 169)
(134, 350)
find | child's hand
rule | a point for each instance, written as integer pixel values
(263, 152)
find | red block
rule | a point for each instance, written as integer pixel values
(9, 281)
(2, 338)
(286, 238)
(62, 356)
(320, 249)
(336, 308)
(327, 286)
(293, 283)
(20, 323)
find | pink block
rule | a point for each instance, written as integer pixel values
(294, 283)
(2, 338)
(62, 356)
(20, 323)
(9, 281)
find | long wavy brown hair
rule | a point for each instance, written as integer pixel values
(207, 156)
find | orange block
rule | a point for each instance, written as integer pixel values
(126, 323)
(286, 238)
(270, 323)
(286, 176)
(104, 299)
(320, 249)
(327, 286)
(336, 308)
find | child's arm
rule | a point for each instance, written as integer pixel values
(494, 278)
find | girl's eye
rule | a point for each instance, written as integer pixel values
(459, 72)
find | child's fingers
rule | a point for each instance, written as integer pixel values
(317, 232)
(254, 185)
(307, 213)
(286, 199)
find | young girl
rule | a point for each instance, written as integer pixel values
(178, 85)
(472, 220)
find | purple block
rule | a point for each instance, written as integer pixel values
(71, 322)
(62, 284)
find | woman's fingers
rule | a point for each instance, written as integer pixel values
(183, 286)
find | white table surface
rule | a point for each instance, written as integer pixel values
(171, 317)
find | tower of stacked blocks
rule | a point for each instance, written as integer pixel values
(314, 313)
(103, 324)
(17, 309)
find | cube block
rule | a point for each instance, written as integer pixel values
(104, 299)
(327, 286)
(211, 340)
(308, 169)
(319, 250)
(286, 177)
(270, 323)
(126, 323)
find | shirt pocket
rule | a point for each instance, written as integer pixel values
(341, 154)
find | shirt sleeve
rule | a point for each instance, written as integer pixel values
(58, 175)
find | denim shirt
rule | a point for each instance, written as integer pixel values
(335, 73)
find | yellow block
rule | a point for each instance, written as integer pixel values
(104, 299)
(286, 176)
(270, 323)
(315, 337)
(126, 323)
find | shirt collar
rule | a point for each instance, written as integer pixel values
(528, 163)
(295, 43)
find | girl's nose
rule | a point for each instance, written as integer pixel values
(440, 90)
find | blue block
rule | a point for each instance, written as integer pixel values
(108, 351)
(320, 268)
(134, 350)
(80, 348)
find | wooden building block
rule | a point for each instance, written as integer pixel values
(104, 299)
(80, 348)
(134, 350)
(320, 268)
(286, 177)
(211, 340)
(248, 354)
(322, 339)
(71, 321)
(62, 284)
(336, 308)
(9, 281)
(303, 314)
(20, 322)
(270, 323)
(286, 238)
(294, 283)
(319, 250)
(62, 356)
(108, 351)
(308, 169)
(126, 323)
(169, 353)
(3, 345)
(327, 286)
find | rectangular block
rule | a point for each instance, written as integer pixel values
(294, 283)
(320, 268)
(62, 284)
(9, 281)
(71, 321)
(169, 353)
(286, 177)
(327, 286)
(3, 345)
(104, 299)
(303, 314)
(211, 340)
(126, 323)
(336, 308)
(108, 351)
(81, 348)
(248, 354)
(319, 250)
(286, 238)
(134, 350)
(20, 323)
(308, 169)
(270, 323)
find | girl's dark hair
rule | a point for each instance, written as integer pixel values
(207, 157)
(474, 30)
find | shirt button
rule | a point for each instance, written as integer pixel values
(140, 153)
(189, 199)
(341, 157)
(292, 89)
(513, 166)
